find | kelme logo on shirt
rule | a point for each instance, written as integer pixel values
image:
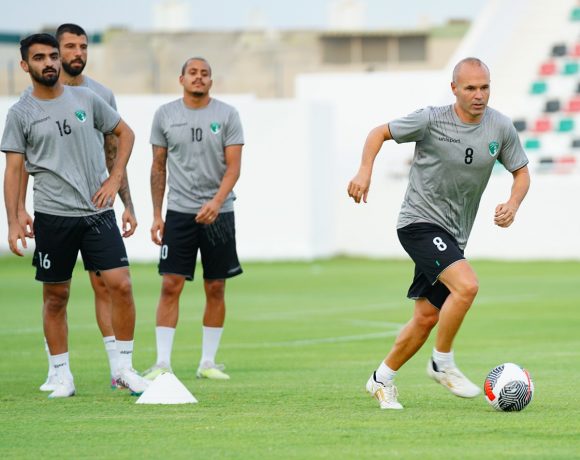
(81, 115)
(493, 148)
(215, 127)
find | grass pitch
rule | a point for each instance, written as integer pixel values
(300, 342)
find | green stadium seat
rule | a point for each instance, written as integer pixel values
(538, 87)
(532, 144)
(566, 125)
(575, 15)
(570, 68)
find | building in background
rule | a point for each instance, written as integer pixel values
(262, 62)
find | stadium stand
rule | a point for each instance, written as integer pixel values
(550, 127)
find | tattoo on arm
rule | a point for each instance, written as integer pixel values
(110, 157)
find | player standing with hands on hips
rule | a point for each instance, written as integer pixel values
(52, 129)
(73, 48)
(199, 140)
(455, 151)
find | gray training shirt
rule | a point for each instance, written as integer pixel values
(195, 140)
(452, 164)
(62, 149)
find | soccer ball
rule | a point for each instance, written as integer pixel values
(508, 387)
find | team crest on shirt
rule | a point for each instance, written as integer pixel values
(81, 115)
(493, 148)
(215, 127)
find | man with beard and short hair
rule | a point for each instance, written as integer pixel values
(199, 140)
(73, 48)
(51, 130)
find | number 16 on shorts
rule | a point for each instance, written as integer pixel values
(43, 260)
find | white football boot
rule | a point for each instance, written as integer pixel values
(130, 379)
(385, 393)
(452, 379)
(50, 383)
(63, 389)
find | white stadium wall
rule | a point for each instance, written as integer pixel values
(301, 153)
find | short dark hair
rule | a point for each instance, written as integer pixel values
(71, 29)
(34, 39)
(197, 58)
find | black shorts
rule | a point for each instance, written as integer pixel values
(60, 238)
(183, 237)
(433, 250)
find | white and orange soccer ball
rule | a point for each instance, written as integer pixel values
(508, 387)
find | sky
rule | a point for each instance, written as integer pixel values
(99, 15)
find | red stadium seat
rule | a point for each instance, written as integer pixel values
(548, 68)
(542, 125)
(573, 104)
(575, 50)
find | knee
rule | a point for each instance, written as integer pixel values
(171, 287)
(469, 289)
(427, 321)
(123, 287)
(55, 299)
(215, 289)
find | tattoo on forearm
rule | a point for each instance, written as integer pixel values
(110, 157)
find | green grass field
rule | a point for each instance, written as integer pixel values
(300, 342)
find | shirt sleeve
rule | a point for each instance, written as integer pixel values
(234, 132)
(512, 154)
(157, 135)
(105, 117)
(13, 137)
(410, 128)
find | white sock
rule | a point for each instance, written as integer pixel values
(164, 337)
(111, 349)
(61, 366)
(211, 337)
(125, 350)
(51, 370)
(384, 373)
(443, 360)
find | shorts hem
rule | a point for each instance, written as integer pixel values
(229, 275)
(442, 271)
(53, 282)
(187, 277)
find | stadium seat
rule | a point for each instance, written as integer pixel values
(566, 125)
(559, 50)
(570, 68)
(542, 125)
(575, 14)
(532, 144)
(575, 50)
(520, 125)
(575, 143)
(538, 87)
(548, 68)
(573, 104)
(577, 88)
(552, 105)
